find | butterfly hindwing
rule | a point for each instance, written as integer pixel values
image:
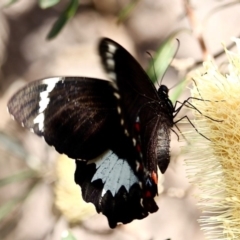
(111, 185)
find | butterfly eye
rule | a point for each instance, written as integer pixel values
(163, 90)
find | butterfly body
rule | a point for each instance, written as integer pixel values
(118, 131)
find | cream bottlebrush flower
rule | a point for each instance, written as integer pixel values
(214, 166)
(68, 197)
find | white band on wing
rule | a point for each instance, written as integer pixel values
(114, 172)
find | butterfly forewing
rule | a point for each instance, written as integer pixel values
(133, 85)
(72, 113)
(139, 98)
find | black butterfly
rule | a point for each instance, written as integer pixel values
(118, 132)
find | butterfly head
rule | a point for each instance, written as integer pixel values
(163, 91)
(163, 95)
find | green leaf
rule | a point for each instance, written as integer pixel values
(67, 236)
(10, 3)
(11, 204)
(20, 176)
(124, 13)
(8, 207)
(162, 59)
(11, 145)
(64, 17)
(47, 3)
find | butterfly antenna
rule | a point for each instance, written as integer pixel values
(178, 45)
(198, 89)
(152, 61)
(178, 83)
(176, 126)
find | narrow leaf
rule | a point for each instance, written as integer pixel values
(66, 235)
(20, 176)
(64, 17)
(8, 207)
(12, 146)
(11, 204)
(124, 13)
(10, 3)
(162, 59)
(47, 3)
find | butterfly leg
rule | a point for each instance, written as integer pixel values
(192, 125)
(186, 103)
